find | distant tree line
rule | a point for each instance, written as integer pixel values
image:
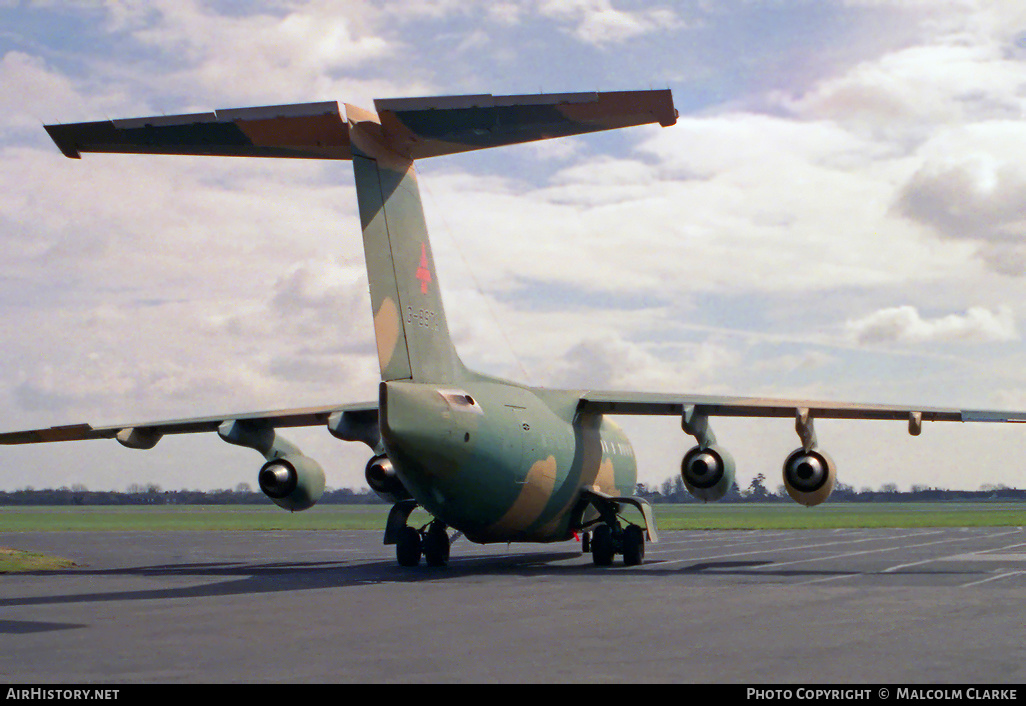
(152, 494)
(671, 490)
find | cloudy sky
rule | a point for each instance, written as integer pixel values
(838, 214)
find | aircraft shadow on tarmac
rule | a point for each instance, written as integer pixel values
(25, 627)
(268, 577)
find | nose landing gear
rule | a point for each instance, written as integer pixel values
(431, 541)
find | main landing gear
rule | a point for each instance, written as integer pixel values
(606, 536)
(609, 539)
(431, 541)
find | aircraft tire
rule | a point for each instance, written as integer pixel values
(408, 547)
(602, 549)
(633, 546)
(436, 546)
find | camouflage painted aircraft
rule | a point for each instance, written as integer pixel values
(491, 459)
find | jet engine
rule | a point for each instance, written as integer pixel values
(293, 481)
(809, 476)
(384, 481)
(708, 472)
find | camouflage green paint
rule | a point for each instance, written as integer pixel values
(505, 462)
(409, 322)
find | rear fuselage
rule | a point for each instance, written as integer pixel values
(501, 462)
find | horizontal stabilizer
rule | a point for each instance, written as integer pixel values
(411, 127)
(429, 127)
(307, 130)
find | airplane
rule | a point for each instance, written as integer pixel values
(490, 459)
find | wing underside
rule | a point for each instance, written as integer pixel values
(126, 433)
(644, 403)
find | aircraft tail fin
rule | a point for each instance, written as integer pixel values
(409, 321)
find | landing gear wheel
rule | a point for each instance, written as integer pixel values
(602, 549)
(407, 547)
(436, 545)
(633, 546)
(586, 543)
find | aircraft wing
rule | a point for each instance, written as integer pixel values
(645, 403)
(136, 435)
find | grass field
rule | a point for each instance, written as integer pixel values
(12, 560)
(372, 517)
(827, 516)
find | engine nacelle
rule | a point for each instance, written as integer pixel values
(809, 476)
(293, 482)
(384, 481)
(708, 473)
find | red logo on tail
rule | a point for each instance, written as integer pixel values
(423, 273)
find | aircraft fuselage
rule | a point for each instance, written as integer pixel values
(501, 462)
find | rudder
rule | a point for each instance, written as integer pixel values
(410, 327)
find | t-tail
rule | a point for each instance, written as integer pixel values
(410, 327)
(409, 320)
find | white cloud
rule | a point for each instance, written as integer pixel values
(807, 360)
(904, 324)
(970, 186)
(35, 93)
(275, 54)
(967, 19)
(597, 22)
(907, 94)
(612, 363)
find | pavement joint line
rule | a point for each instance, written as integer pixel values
(867, 551)
(696, 540)
(980, 556)
(666, 546)
(827, 578)
(807, 546)
(848, 554)
(950, 557)
(1002, 575)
